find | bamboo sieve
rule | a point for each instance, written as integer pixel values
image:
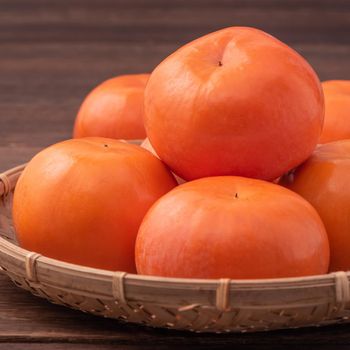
(187, 304)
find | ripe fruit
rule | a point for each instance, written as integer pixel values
(114, 109)
(323, 180)
(337, 115)
(231, 227)
(234, 102)
(82, 201)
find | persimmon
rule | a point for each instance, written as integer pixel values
(234, 102)
(231, 227)
(82, 201)
(323, 180)
(114, 109)
(337, 112)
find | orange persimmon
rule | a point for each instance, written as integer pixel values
(323, 180)
(82, 201)
(337, 110)
(234, 102)
(231, 227)
(114, 109)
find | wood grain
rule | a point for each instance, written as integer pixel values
(52, 52)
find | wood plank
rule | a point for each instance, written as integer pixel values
(51, 56)
(83, 346)
(106, 20)
(65, 346)
(14, 155)
(89, 346)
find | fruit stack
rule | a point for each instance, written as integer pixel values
(239, 175)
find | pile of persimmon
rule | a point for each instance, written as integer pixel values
(228, 183)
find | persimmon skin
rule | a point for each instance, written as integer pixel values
(231, 227)
(337, 110)
(234, 102)
(323, 180)
(82, 201)
(114, 109)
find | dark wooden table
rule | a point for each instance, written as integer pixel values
(53, 52)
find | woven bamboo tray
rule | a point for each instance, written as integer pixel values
(187, 304)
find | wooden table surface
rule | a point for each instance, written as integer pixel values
(53, 51)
